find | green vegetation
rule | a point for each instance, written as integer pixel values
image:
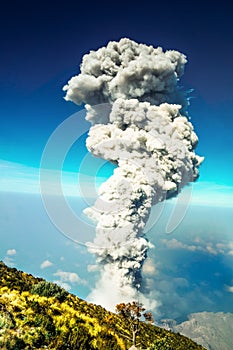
(35, 314)
(49, 289)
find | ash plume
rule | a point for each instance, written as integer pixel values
(139, 122)
(128, 70)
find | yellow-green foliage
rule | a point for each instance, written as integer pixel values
(35, 314)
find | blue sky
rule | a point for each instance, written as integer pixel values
(42, 45)
(41, 48)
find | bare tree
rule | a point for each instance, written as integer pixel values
(133, 312)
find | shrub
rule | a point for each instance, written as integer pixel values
(49, 289)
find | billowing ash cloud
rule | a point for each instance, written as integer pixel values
(139, 123)
(128, 70)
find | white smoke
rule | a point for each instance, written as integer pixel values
(141, 126)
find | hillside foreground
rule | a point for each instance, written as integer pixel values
(35, 314)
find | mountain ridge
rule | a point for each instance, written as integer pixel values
(212, 330)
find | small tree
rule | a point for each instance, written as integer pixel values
(133, 312)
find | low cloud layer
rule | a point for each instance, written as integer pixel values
(199, 245)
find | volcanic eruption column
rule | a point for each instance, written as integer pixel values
(139, 122)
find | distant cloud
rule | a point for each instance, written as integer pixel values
(92, 268)
(8, 261)
(9, 258)
(11, 252)
(175, 244)
(24, 179)
(212, 194)
(64, 285)
(181, 279)
(20, 178)
(200, 246)
(229, 289)
(70, 277)
(45, 264)
(149, 267)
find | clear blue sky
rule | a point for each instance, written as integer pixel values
(42, 44)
